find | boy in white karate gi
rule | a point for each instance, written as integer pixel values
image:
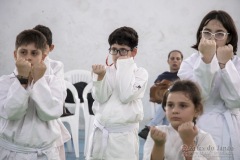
(54, 68)
(30, 104)
(118, 90)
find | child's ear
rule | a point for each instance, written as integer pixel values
(15, 55)
(229, 38)
(198, 110)
(194, 120)
(196, 113)
(51, 47)
(168, 61)
(43, 56)
(134, 52)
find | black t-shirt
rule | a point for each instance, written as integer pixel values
(171, 76)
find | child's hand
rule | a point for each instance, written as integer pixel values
(99, 69)
(23, 67)
(187, 132)
(224, 53)
(158, 136)
(208, 49)
(38, 70)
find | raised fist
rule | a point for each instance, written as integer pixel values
(207, 49)
(99, 69)
(23, 67)
(38, 70)
(224, 53)
(187, 132)
(158, 136)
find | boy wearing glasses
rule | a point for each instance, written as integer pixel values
(118, 90)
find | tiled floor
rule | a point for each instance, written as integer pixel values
(70, 155)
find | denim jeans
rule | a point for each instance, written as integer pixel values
(159, 118)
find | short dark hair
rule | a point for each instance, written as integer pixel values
(227, 23)
(190, 89)
(124, 36)
(31, 36)
(46, 32)
(169, 54)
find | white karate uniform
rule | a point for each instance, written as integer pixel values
(205, 148)
(29, 124)
(221, 94)
(54, 67)
(118, 109)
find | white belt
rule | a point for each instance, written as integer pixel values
(234, 140)
(16, 148)
(234, 111)
(105, 133)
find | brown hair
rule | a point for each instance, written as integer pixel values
(190, 89)
(31, 36)
(124, 36)
(46, 32)
(169, 54)
(227, 23)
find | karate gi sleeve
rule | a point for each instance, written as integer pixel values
(230, 86)
(13, 98)
(49, 95)
(131, 81)
(147, 148)
(196, 70)
(101, 90)
(206, 148)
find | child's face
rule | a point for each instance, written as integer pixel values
(215, 26)
(30, 53)
(179, 109)
(130, 53)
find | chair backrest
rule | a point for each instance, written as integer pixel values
(73, 120)
(89, 119)
(86, 90)
(73, 90)
(76, 99)
(78, 75)
(75, 77)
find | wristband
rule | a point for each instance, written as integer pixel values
(22, 80)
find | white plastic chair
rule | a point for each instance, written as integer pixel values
(78, 75)
(75, 76)
(73, 120)
(89, 119)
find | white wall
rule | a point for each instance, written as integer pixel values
(81, 29)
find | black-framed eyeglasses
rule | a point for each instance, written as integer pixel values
(121, 51)
(217, 35)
